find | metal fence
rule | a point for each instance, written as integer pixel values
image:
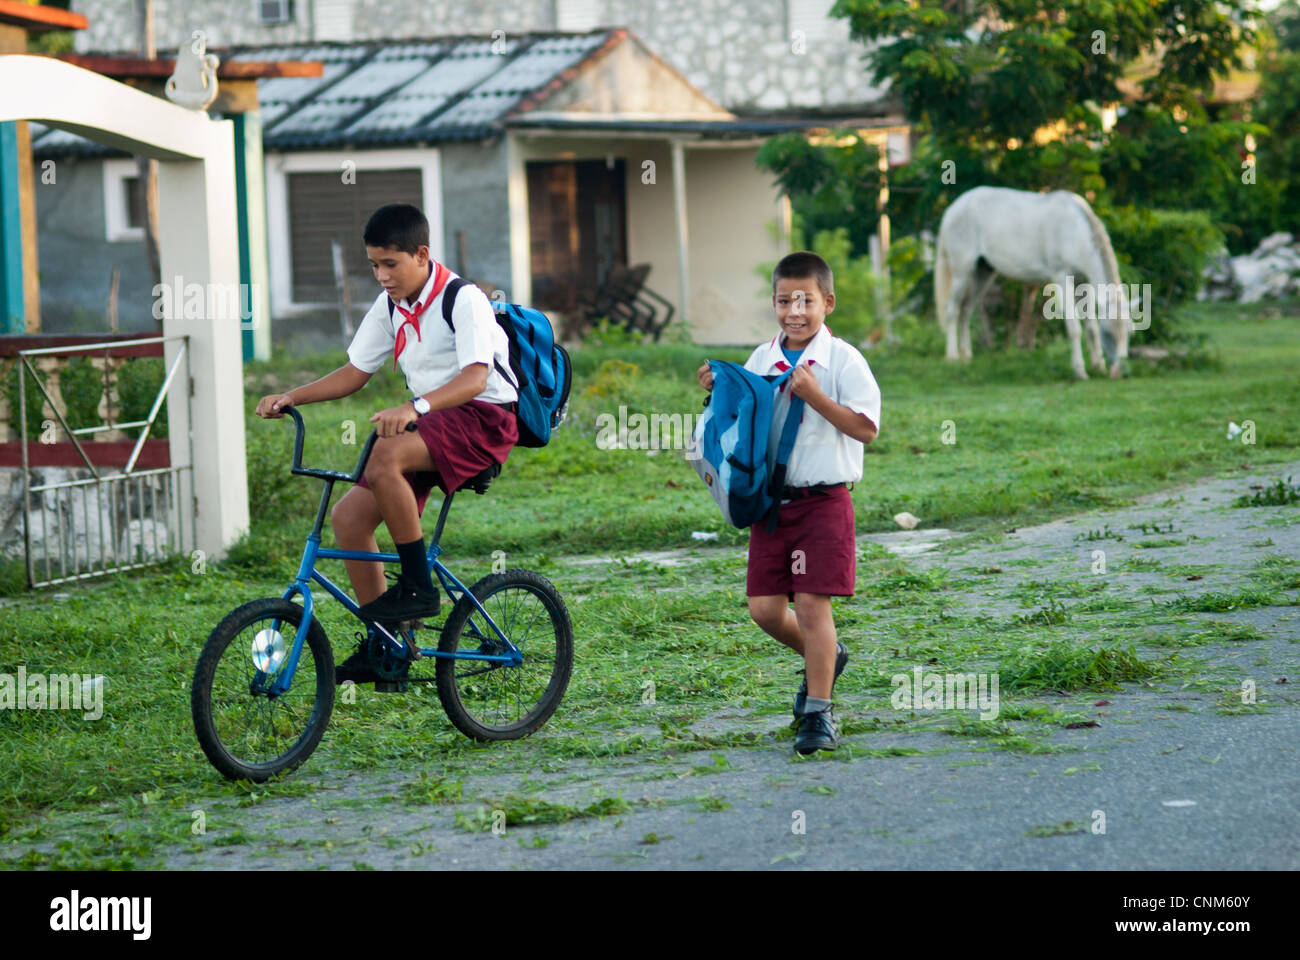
(105, 523)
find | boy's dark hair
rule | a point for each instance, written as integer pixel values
(397, 225)
(802, 264)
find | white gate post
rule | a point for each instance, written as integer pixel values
(199, 253)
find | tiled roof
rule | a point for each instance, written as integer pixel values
(378, 93)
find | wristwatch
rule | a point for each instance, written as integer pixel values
(421, 405)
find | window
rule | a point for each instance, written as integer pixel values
(575, 15)
(812, 19)
(123, 201)
(322, 207)
(134, 202)
(333, 19)
(274, 11)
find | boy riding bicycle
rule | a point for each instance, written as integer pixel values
(462, 407)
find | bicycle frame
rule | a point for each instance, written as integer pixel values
(397, 645)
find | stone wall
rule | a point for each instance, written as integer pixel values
(86, 528)
(741, 53)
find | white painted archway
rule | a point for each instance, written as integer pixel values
(198, 242)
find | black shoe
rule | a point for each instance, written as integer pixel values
(841, 659)
(357, 667)
(402, 601)
(817, 732)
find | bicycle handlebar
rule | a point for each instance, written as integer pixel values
(300, 470)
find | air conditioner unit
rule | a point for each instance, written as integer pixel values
(274, 11)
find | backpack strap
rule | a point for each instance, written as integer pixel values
(777, 482)
(449, 299)
(448, 304)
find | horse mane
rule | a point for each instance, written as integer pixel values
(1100, 237)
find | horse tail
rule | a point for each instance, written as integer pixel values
(942, 282)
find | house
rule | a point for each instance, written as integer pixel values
(542, 161)
(751, 56)
(543, 158)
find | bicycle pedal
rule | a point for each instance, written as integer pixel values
(391, 686)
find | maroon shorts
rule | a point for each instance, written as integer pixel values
(463, 442)
(812, 550)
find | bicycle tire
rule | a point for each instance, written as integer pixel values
(214, 689)
(478, 698)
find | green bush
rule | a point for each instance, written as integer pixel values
(82, 385)
(34, 400)
(138, 382)
(1168, 249)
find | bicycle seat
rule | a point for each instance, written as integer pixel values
(480, 482)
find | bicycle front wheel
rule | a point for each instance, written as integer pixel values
(494, 701)
(246, 731)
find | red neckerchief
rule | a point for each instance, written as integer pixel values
(783, 365)
(413, 317)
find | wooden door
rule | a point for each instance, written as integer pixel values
(577, 215)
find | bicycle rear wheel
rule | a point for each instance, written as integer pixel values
(494, 701)
(245, 732)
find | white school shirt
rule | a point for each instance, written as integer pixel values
(821, 453)
(437, 356)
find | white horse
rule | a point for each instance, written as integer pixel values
(1035, 238)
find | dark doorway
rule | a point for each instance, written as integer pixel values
(577, 216)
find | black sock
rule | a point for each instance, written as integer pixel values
(415, 564)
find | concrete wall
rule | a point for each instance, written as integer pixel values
(77, 261)
(732, 208)
(742, 53)
(474, 200)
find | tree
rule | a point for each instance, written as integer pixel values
(833, 185)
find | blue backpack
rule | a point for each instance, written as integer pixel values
(729, 446)
(540, 370)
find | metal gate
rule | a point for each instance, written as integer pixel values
(106, 523)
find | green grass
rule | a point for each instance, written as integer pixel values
(1279, 493)
(1062, 665)
(1031, 444)
(1062, 829)
(1218, 602)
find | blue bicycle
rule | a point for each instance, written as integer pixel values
(264, 685)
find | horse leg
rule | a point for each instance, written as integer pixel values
(1027, 327)
(1072, 328)
(955, 312)
(1094, 342)
(950, 330)
(984, 276)
(963, 335)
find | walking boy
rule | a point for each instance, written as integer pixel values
(461, 404)
(812, 555)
